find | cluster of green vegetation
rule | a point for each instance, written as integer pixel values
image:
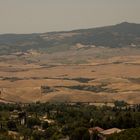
(96, 88)
(11, 79)
(47, 89)
(79, 79)
(82, 79)
(68, 121)
(134, 80)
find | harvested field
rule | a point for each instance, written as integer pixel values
(99, 80)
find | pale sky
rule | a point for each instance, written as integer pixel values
(33, 16)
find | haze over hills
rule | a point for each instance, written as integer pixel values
(69, 69)
(120, 35)
(88, 65)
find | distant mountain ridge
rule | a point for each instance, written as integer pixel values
(120, 35)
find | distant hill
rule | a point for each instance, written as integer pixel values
(120, 35)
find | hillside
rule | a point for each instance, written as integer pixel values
(90, 65)
(120, 35)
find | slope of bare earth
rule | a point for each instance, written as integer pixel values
(77, 75)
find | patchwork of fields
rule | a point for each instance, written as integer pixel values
(26, 79)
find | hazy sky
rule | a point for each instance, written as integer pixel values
(28, 16)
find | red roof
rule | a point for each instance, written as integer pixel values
(95, 129)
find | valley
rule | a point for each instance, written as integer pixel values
(113, 75)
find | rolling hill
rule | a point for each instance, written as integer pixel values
(120, 35)
(89, 65)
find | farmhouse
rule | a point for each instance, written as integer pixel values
(103, 134)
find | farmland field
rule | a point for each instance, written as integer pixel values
(112, 75)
